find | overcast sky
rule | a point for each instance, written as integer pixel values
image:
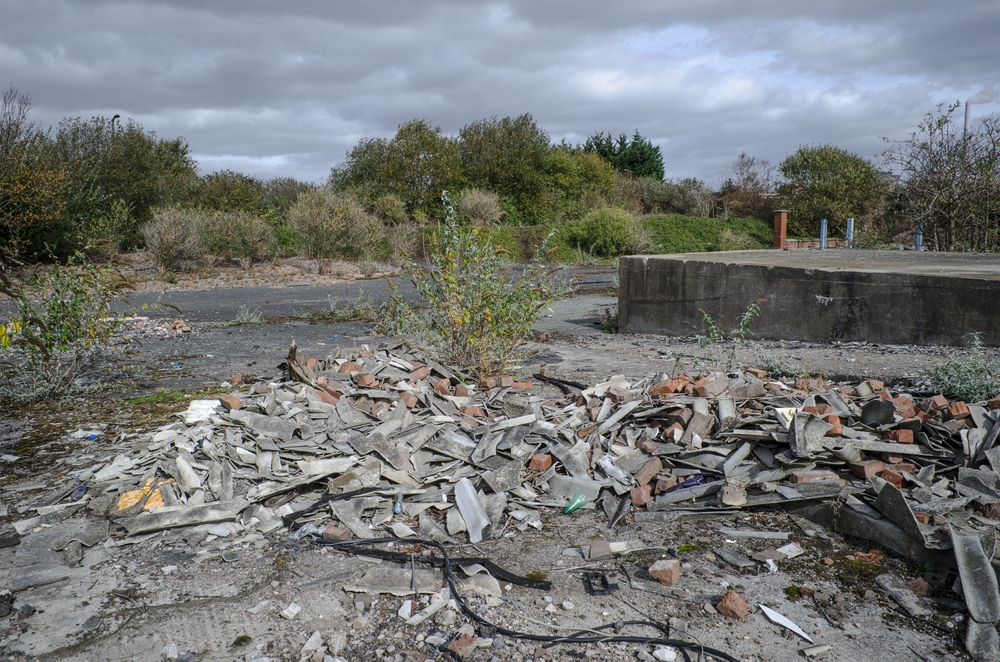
(285, 88)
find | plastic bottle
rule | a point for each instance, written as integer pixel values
(578, 501)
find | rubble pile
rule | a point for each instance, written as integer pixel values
(436, 457)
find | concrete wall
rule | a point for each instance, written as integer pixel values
(664, 294)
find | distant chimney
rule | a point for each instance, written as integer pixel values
(780, 228)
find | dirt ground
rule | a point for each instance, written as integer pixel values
(161, 600)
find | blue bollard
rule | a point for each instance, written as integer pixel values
(850, 233)
(822, 234)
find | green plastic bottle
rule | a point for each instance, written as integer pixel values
(577, 502)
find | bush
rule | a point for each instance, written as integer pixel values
(609, 232)
(329, 225)
(175, 236)
(734, 240)
(972, 379)
(478, 317)
(390, 208)
(478, 205)
(242, 236)
(62, 325)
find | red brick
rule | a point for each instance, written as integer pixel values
(838, 428)
(321, 381)
(443, 386)
(923, 417)
(899, 436)
(505, 381)
(811, 410)
(866, 468)
(365, 354)
(919, 586)
(923, 518)
(662, 388)
(408, 399)
(641, 496)
(540, 462)
(312, 363)
(461, 390)
(666, 571)
(474, 411)
(991, 510)
(586, 431)
(710, 388)
(366, 380)
(348, 367)
(236, 379)
(335, 533)
(958, 410)
(231, 401)
(662, 485)
(759, 374)
(333, 393)
(464, 645)
(523, 386)
(900, 467)
(419, 373)
(993, 403)
(490, 382)
(892, 477)
(326, 397)
(876, 385)
(732, 605)
(813, 476)
(938, 402)
(649, 471)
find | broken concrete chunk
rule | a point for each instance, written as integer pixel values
(904, 596)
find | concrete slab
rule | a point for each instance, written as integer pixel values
(896, 297)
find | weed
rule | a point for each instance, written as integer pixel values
(361, 308)
(973, 378)
(478, 317)
(715, 336)
(369, 268)
(171, 278)
(397, 316)
(775, 365)
(244, 316)
(609, 321)
(62, 325)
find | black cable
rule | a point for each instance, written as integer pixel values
(582, 639)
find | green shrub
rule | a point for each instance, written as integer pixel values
(477, 316)
(175, 236)
(330, 224)
(973, 378)
(609, 231)
(243, 236)
(734, 240)
(62, 324)
(478, 205)
(390, 208)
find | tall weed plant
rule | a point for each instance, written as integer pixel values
(479, 316)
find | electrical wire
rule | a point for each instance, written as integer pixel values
(576, 638)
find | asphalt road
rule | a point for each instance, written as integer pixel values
(285, 302)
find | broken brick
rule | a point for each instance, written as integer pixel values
(662, 485)
(662, 388)
(326, 397)
(837, 429)
(899, 436)
(919, 586)
(893, 477)
(586, 431)
(540, 462)
(474, 411)
(652, 467)
(408, 399)
(335, 533)
(443, 386)
(464, 645)
(365, 380)
(641, 496)
(732, 605)
(348, 367)
(236, 379)
(666, 571)
(419, 373)
(813, 476)
(366, 354)
(923, 518)
(522, 386)
(991, 510)
(866, 468)
(993, 403)
(937, 402)
(706, 388)
(759, 374)
(900, 467)
(311, 363)
(958, 410)
(461, 390)
(231, 401)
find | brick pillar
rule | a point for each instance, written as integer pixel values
(780, 228)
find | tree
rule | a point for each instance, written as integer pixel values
(825, 181)
(748, 188)
(638, 157)
(509, 156)
(125, 163)
(32, 185)
(950, 182)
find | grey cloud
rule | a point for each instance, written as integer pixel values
(281, 88)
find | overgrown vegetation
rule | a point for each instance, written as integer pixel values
(972, 378)
(728, 345)
(478, 317)
(61, 328)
